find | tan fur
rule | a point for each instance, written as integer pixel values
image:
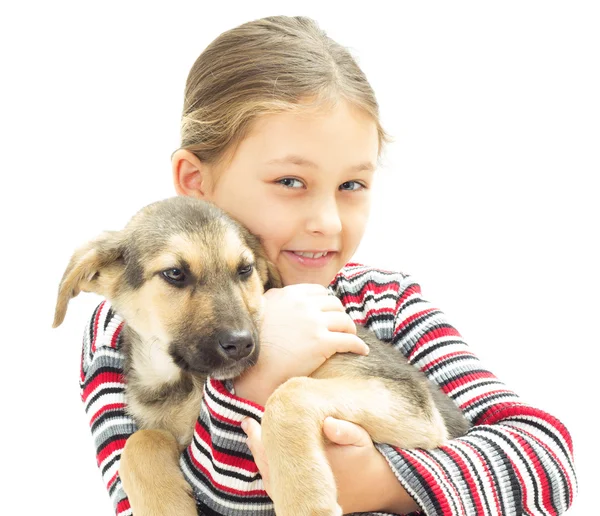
(167, 354)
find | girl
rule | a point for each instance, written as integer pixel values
(281, 129)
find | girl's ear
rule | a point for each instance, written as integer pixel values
(94, 267)
(190, 176)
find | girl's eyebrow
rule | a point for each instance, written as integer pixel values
(299, 160)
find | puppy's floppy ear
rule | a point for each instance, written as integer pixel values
(92, 268)
(268, 273)
(273, 278)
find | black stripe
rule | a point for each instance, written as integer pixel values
(241, 499)
(463, 390)
(110, 440)
(371, 296)
(496, 396)
(225, 451)
(446, 361)
(226, 472)
(530, 472)
(450, 360)
(408, 303)
(421, 355)
(556, 463)
(102, 392)
(515, 487)
(475, 476)
(459, 375)
(108, 414)
(91, 332)
(453, 477)
(109, 316)
(108, 465)
(423, 485)
(102, 369)
(113, 487)
(420, 321)
(238, 410)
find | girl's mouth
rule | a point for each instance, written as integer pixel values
(310, 258)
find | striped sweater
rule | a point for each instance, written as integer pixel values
(515, 460)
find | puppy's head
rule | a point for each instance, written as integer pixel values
(186, 278)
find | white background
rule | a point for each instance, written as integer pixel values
(488, 196)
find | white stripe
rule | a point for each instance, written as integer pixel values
(225, 411)
(200, 487)
(426, 460)
(519, 465)
(479, 475)
(110, 422)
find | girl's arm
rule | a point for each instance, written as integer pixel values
(102, 393)
(516, 459)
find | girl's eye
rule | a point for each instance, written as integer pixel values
(290, 182)
(351, 185)
(174, 276)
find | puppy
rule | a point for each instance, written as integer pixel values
(188, 282)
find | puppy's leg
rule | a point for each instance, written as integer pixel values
(152, 478)
(301, 479)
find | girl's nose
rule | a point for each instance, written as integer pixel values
(324, 217)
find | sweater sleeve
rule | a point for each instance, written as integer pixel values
(516, 459)
(103, 395)
(218, 464)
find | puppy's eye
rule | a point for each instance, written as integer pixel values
(244, 272)
(174, 276)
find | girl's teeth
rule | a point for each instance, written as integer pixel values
(310, 255)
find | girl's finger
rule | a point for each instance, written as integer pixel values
(340, 321)
(345, 433)
(337, 342)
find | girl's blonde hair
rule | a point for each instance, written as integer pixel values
(271, 65)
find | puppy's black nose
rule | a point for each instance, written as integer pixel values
(235, 344)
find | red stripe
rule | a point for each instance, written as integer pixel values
(200, 468)
(446, 357)
(490, 481)
(218, 386)
(559, 463)
(412, 318)
(414, 289)
(220, 417)
(113, 341)
(370, 287)
(433, 334)
(101, 378)
(488, 394)
(96, 319)
(372, 312)
(464, 469)
(433, 484)
(541, 472)
(107, 408)
(224, 458)
(123, 506)
(465, 380)
(111, 447)
(112, 480)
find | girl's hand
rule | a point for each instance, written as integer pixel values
(365, 481)
(302, 326)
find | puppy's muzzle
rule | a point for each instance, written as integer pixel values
(235, 344)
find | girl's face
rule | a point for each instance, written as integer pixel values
(302, 184)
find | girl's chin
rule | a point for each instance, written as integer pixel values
(321, 277)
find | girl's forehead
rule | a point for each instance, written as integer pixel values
(304, 138)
